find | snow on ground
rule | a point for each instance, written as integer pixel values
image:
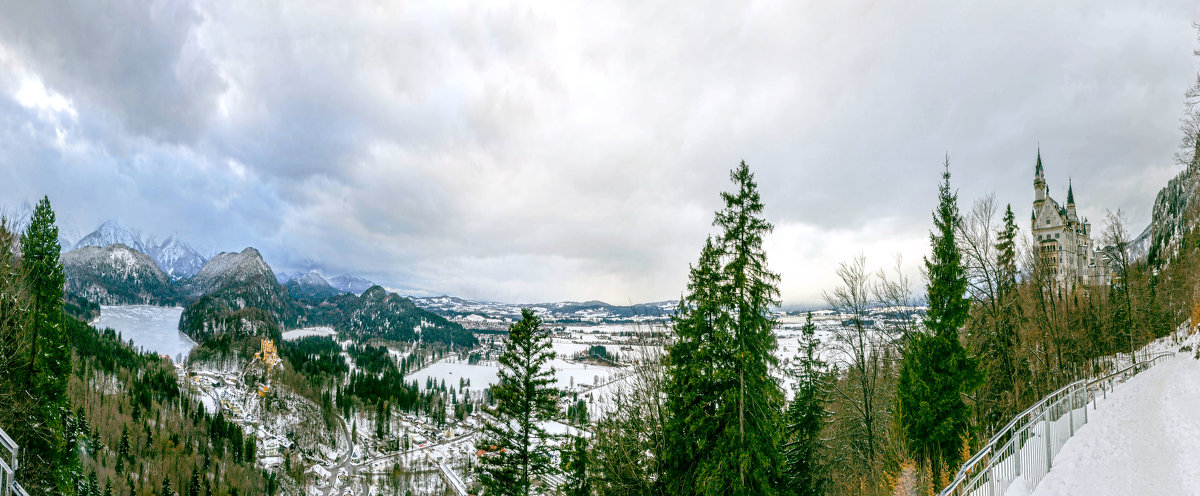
(451, 369)
(308, 331)
(151, 328)
(1144, 439)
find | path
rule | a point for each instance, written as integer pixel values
(1144, 439)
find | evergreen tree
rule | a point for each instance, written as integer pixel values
(49, 464)
(166, 487)
(936, 371)
(517, 444)
(574, 466)
(804, 471)
(701, 329)
(750, 290)
(724, 407)
(194, 485)
(998, 351)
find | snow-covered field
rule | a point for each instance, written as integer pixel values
(481, 375)
(151, 328)
(1144, 439)
(295, 334)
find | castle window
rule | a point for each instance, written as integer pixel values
(1055, 235)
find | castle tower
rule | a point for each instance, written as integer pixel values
(1039, 183)
(1071, 202)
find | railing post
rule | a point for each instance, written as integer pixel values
(1046, 434)
(1071, 410)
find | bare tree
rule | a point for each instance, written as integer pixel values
(861, 350)
(1116, 240)
(628, 444)
(1189, 146)
(894, 293)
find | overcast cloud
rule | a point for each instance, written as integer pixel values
(563, 150)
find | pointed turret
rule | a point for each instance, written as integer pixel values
(1039, 182)
(1071, 203)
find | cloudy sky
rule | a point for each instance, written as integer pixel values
(576, 150)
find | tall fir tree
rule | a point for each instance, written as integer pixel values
(702, 334)
(517, 445)
(750, 290)
(48, 465)
(936, 371)
(724, 406)
(804, 469)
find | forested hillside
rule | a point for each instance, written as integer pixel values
(92, 415)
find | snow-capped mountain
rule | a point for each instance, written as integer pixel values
(227, 269)
(177, 258)
(110, 233)
(284, 277)
(116, 274)
(347, 283)
(311, 284)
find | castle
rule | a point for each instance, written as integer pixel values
(1065, 243)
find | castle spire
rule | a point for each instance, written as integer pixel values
(1037, 171)
(1070, 193)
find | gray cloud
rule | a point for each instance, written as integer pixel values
(577, 151)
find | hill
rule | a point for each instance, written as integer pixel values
(380, 314)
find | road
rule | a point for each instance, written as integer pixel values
(343, 462)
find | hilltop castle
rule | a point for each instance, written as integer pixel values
(1064, 242)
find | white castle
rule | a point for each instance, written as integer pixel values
(1064, 242)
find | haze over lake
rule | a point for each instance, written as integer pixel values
(151, 328)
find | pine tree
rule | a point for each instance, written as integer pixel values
(516, 442)
(724, 414)
(804, 471)
(49, 465)
(936, 371)
(166, 486)
(999, 362)
(574, 466)
(194, 485)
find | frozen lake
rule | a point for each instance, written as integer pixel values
(150, 328)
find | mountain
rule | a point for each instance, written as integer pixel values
(237, 293)
(1172, 216)
(1139, 247)
(111, 233)
(116, 274)
(175, 257)
(381, 314)
(347, 283)
(284, 277)
(492, 315)
(310, 285)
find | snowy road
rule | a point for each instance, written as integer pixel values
(1144, 439)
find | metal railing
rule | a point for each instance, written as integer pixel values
(1026, 447)
(8, 467)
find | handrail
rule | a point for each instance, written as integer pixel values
(8, 468)
(1040, 422)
